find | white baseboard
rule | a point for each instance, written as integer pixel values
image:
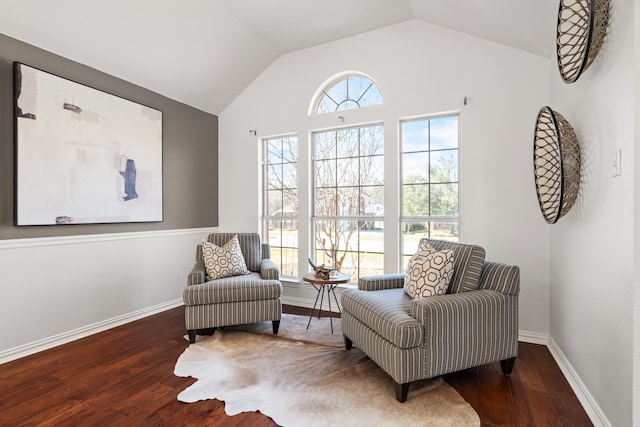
(308, 303)
(533, 337)
(65, 337)
(598, 418)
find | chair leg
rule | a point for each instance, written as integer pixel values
(192, 336)
(402, 390)
(347, 342)
(507, 365)
(276, 326)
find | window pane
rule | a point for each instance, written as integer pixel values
(348, 201)
(415, 136)
(338, 92)
(444, 166)
(415, 199)
(274, 202)
(372, 201)
(282, 236)
(372, 170)
(326, 105)
(325, 145)
(371, 264)
(274, 152)
(372, 239)
(274, 176)
(289, 202)
(348, 173)
(444, 133)
(357, 86)
(444, 231)
(290, 150)
(326, 202)
(325, 173)
(412, 232)
(289, 175)
(372, 96)
(371, 140)
(444, 199)
(415, 168)
(347, 142)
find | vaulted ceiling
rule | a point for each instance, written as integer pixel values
(205, 52)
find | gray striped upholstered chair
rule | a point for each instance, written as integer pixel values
(235, 300)
(474, 323)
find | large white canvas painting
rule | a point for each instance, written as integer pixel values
(83, 155)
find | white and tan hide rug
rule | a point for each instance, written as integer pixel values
(306, 378)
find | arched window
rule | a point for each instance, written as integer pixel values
(346, 93)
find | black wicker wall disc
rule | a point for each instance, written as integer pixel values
(582, 26)
(556, 164)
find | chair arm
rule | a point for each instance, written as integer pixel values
(268, 270)
(197, 275)
(379, 283)
(467, 329)
(500, 277)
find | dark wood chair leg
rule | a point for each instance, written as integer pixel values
(276, 326)
(347, 342)
(192, 336)
(402, 390)
(507, 365)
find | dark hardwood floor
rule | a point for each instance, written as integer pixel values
(124, 377)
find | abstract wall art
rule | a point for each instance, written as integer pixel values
(83, 155)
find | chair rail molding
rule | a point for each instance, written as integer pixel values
(93, 238)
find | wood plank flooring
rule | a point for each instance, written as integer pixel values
(124, 377)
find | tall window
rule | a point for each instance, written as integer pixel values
(349, 198)
(429, 180)
(350, 92)
(280, 211)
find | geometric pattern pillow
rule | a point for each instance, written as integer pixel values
(429, 275)
(223, 261)
(424, 249)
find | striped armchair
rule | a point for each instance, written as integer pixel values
(474, 323)
(236, 300)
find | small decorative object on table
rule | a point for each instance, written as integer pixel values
(321, 271)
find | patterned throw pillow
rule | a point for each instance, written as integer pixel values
(429, 275)
(223, 261)
(424, 249)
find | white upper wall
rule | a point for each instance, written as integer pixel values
(421, 69)
(592, 247)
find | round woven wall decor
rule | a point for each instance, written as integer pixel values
(556, 164)
(582, 25)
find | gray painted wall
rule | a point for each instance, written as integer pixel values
(190, 149)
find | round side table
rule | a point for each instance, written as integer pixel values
(330, 285)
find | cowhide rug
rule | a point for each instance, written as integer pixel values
(305, 377)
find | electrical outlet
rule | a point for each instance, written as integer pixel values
(616, 162)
